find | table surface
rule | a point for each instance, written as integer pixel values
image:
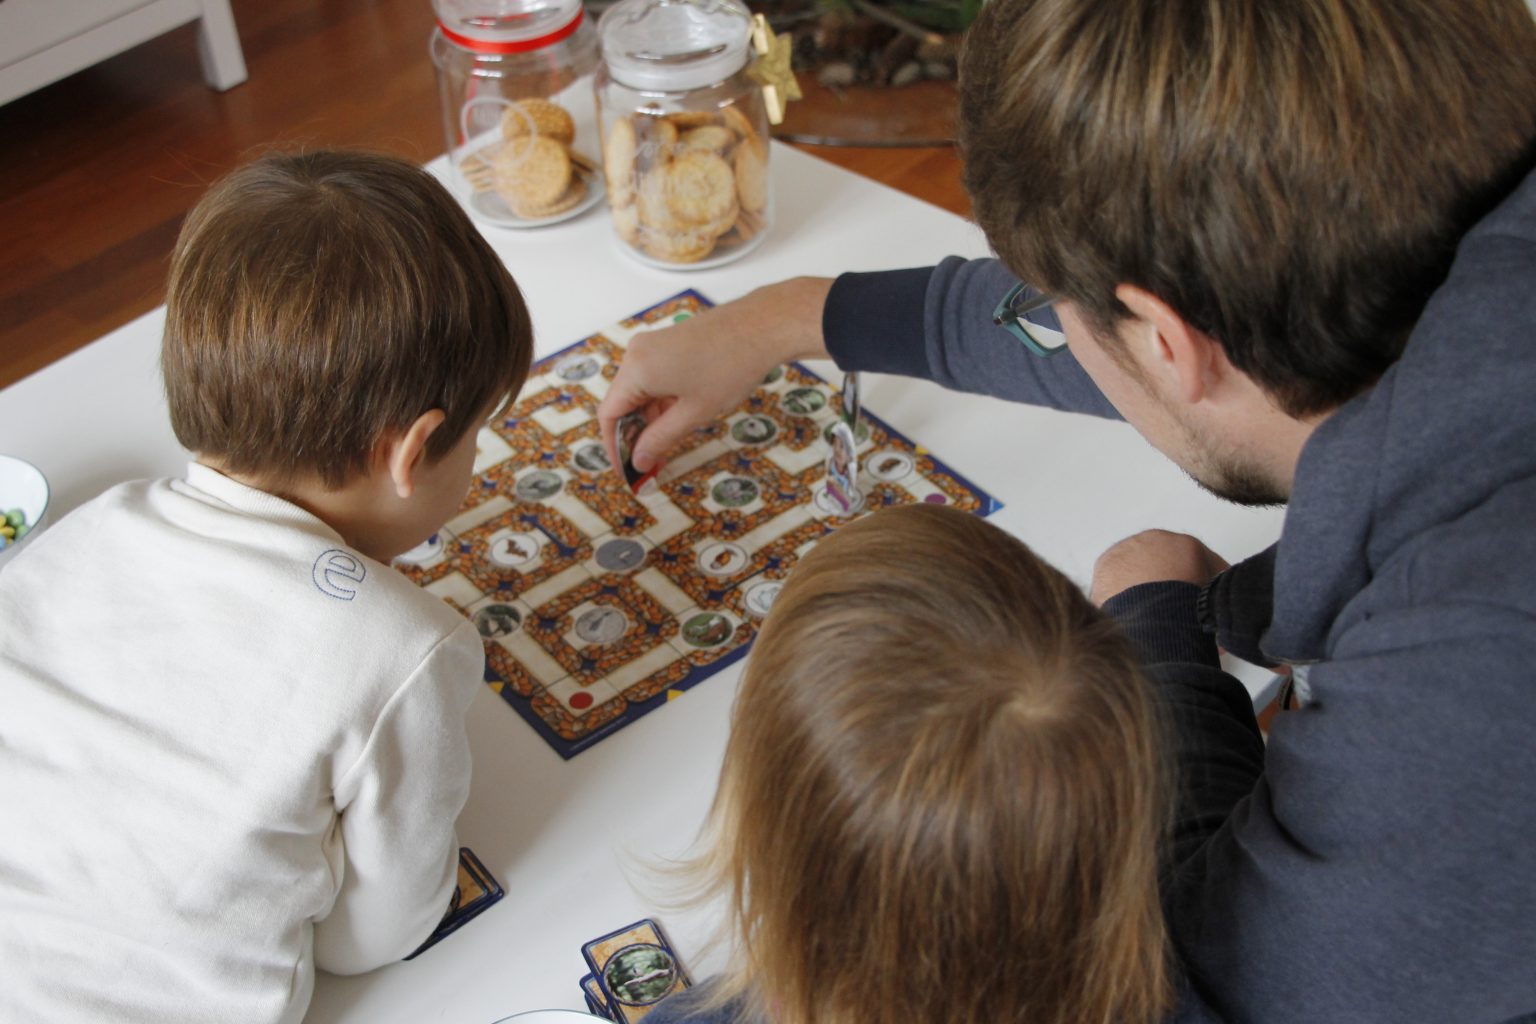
(575, 849)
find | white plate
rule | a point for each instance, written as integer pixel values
(492, 209)
(547, 1017)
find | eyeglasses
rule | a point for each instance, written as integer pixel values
(1027, 315)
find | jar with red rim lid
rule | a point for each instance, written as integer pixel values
(685, 131)
(515, 81)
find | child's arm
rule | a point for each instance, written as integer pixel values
(394, 842)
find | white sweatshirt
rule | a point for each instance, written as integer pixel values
(230, 750)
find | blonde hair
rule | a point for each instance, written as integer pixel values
(944, 796)
(1292, 177)
(318, 301)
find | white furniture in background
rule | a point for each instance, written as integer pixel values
(42, 41)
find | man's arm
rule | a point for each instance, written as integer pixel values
(932, 322)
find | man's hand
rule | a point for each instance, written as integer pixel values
(1151, 557)
(685, 376)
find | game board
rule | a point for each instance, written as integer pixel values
(598, 606)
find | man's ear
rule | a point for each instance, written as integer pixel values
(402, 454)
(1184, 360)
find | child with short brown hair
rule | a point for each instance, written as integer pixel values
(253, 762)
(943, 798)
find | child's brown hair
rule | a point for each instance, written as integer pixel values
(944, 794)
(319, 301)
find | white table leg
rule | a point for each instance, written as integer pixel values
(218, 46)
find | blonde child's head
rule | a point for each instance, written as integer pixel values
(319, 302)
(944, 794)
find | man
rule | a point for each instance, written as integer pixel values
(1294, 244)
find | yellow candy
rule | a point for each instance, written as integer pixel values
(8, 532)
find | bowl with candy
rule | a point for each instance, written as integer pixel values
(23, 504)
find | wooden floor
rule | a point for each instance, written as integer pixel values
(98, 170)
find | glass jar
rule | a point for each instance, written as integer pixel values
(515, 81)
(685, 131)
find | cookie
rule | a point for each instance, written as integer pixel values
(700, 189)
(737, 121)
(658, 138)
(751, 178)
(676, 246)
(711, 138)
(619, 150)
(626, 222)
(532, 172)
(575, 193)
(685, 119)
(538, 117)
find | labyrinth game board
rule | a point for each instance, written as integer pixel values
(598, 606)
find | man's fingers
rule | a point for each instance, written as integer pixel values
(670, 422)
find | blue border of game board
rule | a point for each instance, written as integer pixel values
(568, 749)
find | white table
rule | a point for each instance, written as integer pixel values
(570, 841)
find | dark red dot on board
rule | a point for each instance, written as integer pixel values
(936, 499)
(581, 701)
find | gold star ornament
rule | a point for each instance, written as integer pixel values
(771, 69)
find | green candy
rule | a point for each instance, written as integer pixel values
(15, 517)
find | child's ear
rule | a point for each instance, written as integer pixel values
(404, 453)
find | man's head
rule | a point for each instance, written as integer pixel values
(1290, 179)
(324, 305)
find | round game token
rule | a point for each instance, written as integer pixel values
(578, 367)
(861, 432)
(591, 457)
(706, 630)
(735, 492)
(620, 555)
(759, 597)
(580, 700)
(804, 401)
(754, 430)
(722, 559)
(497, 620)
(640, 975)
(601, 625)
(538, 485)
(427, 550)
(832, 507)
(510, 550)
(889, 465)
(774, 375)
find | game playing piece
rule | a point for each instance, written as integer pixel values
(628, 428)
(849, 401)
(475, 892)
(598, 605)
(843, 469)
(635, 968)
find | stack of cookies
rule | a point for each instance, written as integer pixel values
(533, 170)
(683, 186)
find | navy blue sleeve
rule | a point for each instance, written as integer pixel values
(936, 323)
(1217, 748)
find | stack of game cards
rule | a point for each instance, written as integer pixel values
(474, 893)
(633, 969)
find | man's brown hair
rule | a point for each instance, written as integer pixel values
(1292, 177)
(944, 792)
(319, 301)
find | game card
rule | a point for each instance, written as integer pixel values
(635, 968)
(475, 892)
(628, 429)
(592, 992)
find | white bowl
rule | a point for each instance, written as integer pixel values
(23, 486)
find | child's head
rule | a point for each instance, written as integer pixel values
(322, 302)
(944, 792)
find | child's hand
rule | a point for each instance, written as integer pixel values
(685, 376)
(1151, 557)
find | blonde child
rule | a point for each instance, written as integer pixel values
(943, 797)
(233, 743)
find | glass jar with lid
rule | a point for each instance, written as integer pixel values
(685, 131)
(515, 82)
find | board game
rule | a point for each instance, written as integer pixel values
(598, 606)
